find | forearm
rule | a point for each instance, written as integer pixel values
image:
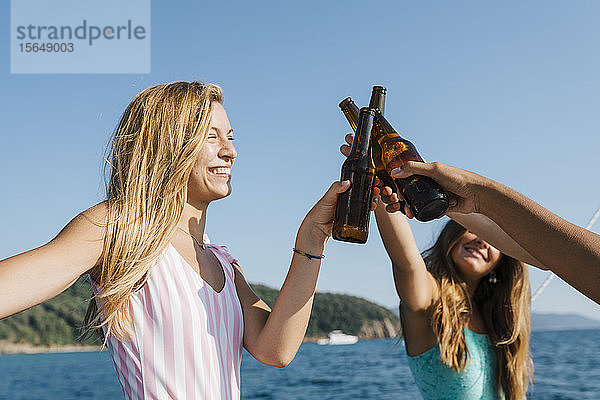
(489, 231)
(286, 325)
(414, 284)
(570, 251)
(398, 239)
(37, 275)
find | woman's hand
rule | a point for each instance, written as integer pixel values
(463, 187)
(320, 218)
(393, 201)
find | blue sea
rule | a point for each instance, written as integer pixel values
(567, 366)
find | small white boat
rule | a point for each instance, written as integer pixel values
(337, 337)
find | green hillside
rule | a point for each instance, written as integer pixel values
(338, 311)
(57, 322)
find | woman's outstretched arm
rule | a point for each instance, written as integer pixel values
(416, 287)
(37, 275)
(573, 253)
(273, 337)
(489, 231)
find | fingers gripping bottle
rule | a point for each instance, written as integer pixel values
(423, 195)
(425, 198)
(353, 209)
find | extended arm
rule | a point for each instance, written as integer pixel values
(573, 253)
(415, 285)
(37, 275)
(489, 231)
(274, 337)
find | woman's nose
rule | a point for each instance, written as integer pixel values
(480, 242)
(228, 150)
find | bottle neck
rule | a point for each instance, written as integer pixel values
(360, 145)
(351, 111)
(378, 99)
(384, 130)
(362, 138)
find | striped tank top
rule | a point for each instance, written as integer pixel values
(187, 341)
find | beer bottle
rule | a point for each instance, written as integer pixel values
(425, 198)
(350, 110)
(377, 102)
(353, 208)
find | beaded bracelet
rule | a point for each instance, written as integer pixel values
(309, 256)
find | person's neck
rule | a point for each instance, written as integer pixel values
(193, 219)
(472, 287)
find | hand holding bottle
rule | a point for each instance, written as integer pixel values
(320, 218)
(423, 195)
(463, 187)
(388, 195)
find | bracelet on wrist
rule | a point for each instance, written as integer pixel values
(309, 256)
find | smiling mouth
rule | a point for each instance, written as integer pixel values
(220, 171)
(475, 252)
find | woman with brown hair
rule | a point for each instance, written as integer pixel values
(175, 310)
(465, 311)
(465, 308)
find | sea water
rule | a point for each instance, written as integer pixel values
(567, 366)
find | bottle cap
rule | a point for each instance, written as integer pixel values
(368, 110)
(346, 101)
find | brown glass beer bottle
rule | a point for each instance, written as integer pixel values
(350, 111)
(377, 102)
(425, 198)
(353, 209)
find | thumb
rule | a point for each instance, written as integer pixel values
(330, 197)
(339, 187)
(414, 168)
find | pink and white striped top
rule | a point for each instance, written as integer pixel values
(188, 338)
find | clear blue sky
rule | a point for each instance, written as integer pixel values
(508, 89)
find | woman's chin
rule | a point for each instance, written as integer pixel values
(217, 195)
(473, 269)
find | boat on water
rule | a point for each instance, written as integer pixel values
(338, 337)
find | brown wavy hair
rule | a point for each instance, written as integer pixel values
(504, 305)
(152, 152)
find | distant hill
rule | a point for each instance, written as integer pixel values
(57, 322)
(353, 315)
(554, 322)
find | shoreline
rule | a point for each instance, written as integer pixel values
(26, 348)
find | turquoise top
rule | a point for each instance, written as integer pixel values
(437, 381)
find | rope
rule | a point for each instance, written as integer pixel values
(552, 275)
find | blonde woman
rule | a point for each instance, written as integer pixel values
(175, 311)
(465, 306)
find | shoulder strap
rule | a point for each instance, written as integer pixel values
(223, 251)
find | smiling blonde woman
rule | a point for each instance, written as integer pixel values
(175, 311)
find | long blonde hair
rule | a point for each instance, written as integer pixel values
(152, 152)
(504, 305)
